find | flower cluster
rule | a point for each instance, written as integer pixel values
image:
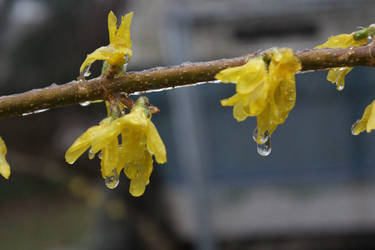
(337, 75)
(4, 166)
(119, 44)
(140, 141)
(264, 90)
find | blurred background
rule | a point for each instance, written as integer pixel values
(315, 190)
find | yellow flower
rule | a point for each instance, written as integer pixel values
(337, 75)
(251, 86)
(119, 43)
(281, 94)
(4, 166)
(269, 94)
(140, 141)
(367, 122)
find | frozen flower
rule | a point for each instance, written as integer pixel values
(119, 44)
(265, 91)
(337, 75)
(140, 141)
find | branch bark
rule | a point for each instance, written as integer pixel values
(167, 77)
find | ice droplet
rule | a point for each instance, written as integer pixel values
(84, 104)
(353, 126)
(340, 87)
(91, 154)
(263, 139)
(35, 112)
(112, 181)
(40, 111)
(265, 148)
(86, 71)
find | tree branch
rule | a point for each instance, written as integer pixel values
(167, 77)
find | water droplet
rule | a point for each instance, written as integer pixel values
(100, 155)
(91, 154)
(125, 67)
(84, 104)
(340, 87)
(40, 111)
(263, 139)
(265, 148)
(34, 112)
(112, 181)
(342, 69)
(353, 126)
(86, 71)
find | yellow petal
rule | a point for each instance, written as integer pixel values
(230, 75)
(137, 186)
(4, 166)
(109, 158)
(337, 76)
(108, 53)
(155, 143)
(231, 101)
(342, 41)
(239, 112)
(123, 33)
(250, 81)
(112, 26)
(283, 101)
(258, 100)
(253, 69)
(80, 145)
(367, 121)
(103, 135)
(265, 124)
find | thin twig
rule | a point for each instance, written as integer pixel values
(167, 77)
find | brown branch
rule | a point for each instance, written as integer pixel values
(168, 77)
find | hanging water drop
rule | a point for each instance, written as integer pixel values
(100, 155)
(353, 127)
(91, 154)
(86, 71)
(340, 87)
(112, 181)
(84, 104)
(265, 148)
(263, 138)
(125, 66)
